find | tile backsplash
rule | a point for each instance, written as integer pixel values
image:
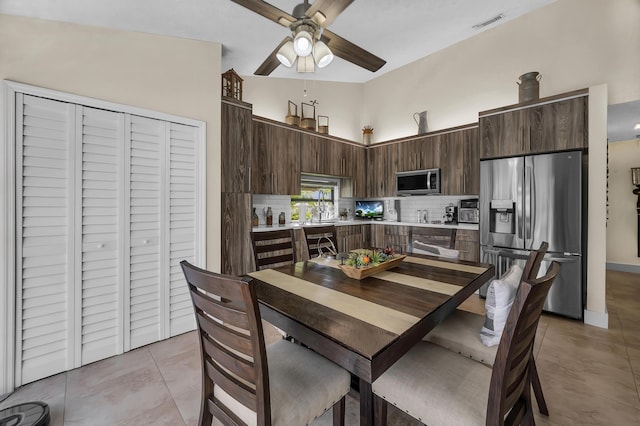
(278, 204)
(409, 206)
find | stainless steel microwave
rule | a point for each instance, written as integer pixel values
(418, 182)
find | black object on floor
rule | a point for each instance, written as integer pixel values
(26, 414)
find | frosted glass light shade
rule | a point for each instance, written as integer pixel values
(322, 54)
(303, 43)
(286, 55)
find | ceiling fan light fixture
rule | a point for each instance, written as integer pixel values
(286, 54)
(303, 41)
(322, 54)
(306, 64)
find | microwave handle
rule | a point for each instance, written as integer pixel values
(428, 180)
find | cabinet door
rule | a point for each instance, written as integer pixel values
(275, 160)
(502, 135)
(451, 163)
(359, 171)
(235, 236)
(236, 148)
(285, 161)
(397, 237)
(313, 152)
(471, 163)
(557, 126)
(376, 171)
(468, 244)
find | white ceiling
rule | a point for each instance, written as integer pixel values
(399, 32)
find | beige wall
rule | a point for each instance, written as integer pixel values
(623, 220)
(170, 75)
(341, 102)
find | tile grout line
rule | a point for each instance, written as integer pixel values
(164, 380)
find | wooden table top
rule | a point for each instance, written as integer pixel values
(366, 325)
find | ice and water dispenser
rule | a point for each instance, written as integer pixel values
(502, 219)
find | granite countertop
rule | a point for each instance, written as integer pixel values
(295, 225)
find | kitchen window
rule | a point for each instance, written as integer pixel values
(319, 198)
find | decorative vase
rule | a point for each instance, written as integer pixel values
(367, 135)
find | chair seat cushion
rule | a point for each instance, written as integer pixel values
(303, 385)
(437, 387)
(459, 333)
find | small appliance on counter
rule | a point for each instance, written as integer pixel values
(392, 210)
(468, 211)
(450, 214)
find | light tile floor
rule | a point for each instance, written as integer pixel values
(590, 376)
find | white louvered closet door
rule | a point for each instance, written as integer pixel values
(182, 224)
(147, 220)
(106, 208)
(45, 234)
(101, 265)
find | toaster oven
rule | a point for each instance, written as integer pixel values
(468, 211)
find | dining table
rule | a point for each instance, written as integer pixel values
(365, 325)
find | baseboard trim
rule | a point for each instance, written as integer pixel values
(622, 267)
(597, 319)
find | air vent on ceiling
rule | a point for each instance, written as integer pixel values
(488, 22)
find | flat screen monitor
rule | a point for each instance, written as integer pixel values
(373, 210)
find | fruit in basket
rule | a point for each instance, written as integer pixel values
(366, 258)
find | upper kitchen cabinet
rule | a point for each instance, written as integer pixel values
(236, 120)
(546, 125)
(275, 159)
(314, 154)
(382, 164)
(419, 154)
(451, 163)
(471, 164)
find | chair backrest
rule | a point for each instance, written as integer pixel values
(232, 346)
(320, 239)
(510, 390)
(532, 267)
(273, 248)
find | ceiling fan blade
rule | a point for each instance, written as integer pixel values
(329, 10)
(272, 62)
(352, 53)
(268, 11)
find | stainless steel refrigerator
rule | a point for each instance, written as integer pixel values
(530, 199)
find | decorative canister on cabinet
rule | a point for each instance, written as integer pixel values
(308, 122)
(367, 135)
(529, 86)
(293, 119)
(323, 125)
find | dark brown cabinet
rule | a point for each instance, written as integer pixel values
(382, 164)
(236, 133)
(419, 154)
(552, 124)
(468, 244)
(471, 162)
(236, 146)
(325, 156)
(351, 237)
(275, 159)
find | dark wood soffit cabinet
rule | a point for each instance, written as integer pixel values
(548, 99)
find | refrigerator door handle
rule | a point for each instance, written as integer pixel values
(562, 259)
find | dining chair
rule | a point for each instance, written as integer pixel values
(460, 331)
(438, 387)
(244, 381)
(321, 240)
(438, 242)
(273, 248)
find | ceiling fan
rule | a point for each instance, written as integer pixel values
(310, 43)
